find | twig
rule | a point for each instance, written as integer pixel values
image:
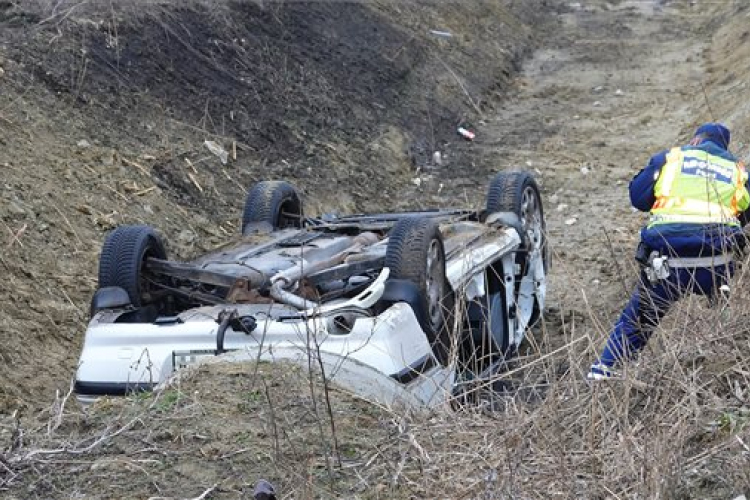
(205, 494)
(138, 166)
(329, 407)
(195, 181)
(16, 237)
(620, 274)
(67, 297)
(65, 14)
(461, 85)
(144, 191)
(125, 198)
(190, 164)
(68, 223)
(705, 100)
(77, 451)
(276, 445)
(747, 448)
(234, 453)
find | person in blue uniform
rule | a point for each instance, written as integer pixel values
(697, 199)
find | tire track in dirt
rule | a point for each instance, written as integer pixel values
(616, 84)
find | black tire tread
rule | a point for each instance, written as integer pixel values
(122, 257)
(264, 201)
(505, 188)
(406, 244)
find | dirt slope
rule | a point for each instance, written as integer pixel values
(614, 82)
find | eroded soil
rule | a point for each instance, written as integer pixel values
(611, 83)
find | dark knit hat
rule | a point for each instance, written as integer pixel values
(714, 132)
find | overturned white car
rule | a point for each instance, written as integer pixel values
(396, 307)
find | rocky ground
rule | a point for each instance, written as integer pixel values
(101, 128)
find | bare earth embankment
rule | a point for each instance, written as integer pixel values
(611, 83)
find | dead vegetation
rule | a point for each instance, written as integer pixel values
(676, 426)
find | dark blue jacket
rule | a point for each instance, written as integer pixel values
(685, 240)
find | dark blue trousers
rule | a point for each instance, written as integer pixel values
(650, 302)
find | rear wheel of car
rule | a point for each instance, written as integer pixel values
(517, 192)
(415, 253)
(273, 205)
(123, 258)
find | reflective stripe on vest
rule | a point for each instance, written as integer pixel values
(697, 187)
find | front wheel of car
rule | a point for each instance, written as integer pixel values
(518, 193)
(415, 253)
(272, 205)
(122, 262)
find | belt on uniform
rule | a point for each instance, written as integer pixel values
(709, 261)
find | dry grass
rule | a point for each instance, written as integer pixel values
(675, 426)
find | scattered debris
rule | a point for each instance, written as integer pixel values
(108, 157)
(2, 71)
(106, 221)
(264, 491)
(16, 236)
(619, 92)
(137, 165)
(15, 208)
(144, 191)
(466, 134)
(219, 151)
(571, 221)
(598, 88)
(417, 181)
(437, 158)
(83, 143)
(585, 170)
(597, 104)
(186, 237)
(561, 207)
(444, 34)
(206, 493)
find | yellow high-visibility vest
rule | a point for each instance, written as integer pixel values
(697, 187)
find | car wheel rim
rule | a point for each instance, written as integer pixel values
(434, 284)
(531, 218)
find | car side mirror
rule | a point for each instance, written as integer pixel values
(110, 297)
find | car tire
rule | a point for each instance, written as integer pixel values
(415, 253)
(273, 205)
(518, 192)
(121, 263)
